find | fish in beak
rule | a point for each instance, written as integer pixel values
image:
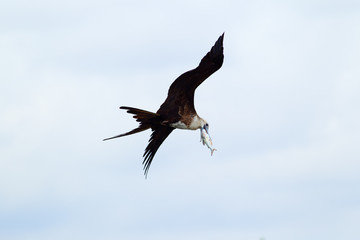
(206, 139)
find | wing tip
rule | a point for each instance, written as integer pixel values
(219, 43)
(222, 37)
(216, 53)
(148, 157)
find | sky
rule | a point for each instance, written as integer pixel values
(283, 113)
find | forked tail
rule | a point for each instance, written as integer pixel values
(146, 120)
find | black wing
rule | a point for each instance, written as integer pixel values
(181, 91)
(159, 134)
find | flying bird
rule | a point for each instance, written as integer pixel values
(178, 110)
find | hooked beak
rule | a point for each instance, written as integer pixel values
(202, 134)
(206, 128)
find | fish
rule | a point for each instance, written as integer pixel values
(206, 139)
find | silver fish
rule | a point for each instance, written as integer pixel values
(206, 139)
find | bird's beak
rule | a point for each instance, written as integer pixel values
(206, 128)
(202, 129)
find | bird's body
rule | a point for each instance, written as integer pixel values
(178, 110)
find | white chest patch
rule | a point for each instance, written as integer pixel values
(195, 124)
(179, 125)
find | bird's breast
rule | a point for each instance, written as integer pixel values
(179, 125)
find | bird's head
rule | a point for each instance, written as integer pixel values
(204, 125)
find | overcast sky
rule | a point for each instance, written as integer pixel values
(283, 113)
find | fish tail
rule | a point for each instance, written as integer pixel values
(212, 151)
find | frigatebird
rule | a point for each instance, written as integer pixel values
(178, 110)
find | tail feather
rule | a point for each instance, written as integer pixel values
(141, 115)
(145, 118)
(136, 130)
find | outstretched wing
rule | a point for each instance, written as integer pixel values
(181, 91)
(159, 134)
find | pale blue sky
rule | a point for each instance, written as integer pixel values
(283, 113)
